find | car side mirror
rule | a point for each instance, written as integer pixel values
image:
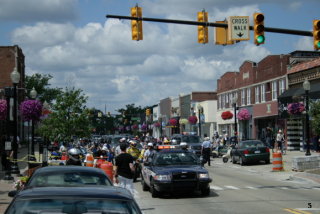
(12, 193)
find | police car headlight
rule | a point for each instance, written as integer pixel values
(203, 175)
(162, 177)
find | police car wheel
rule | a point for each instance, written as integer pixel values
(153, 191)
(144, 185)
(205, 191)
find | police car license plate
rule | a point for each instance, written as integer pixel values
(257, 152)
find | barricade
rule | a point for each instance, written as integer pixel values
(99, 161)
(107, 167)
(277, 162)
(89, 160)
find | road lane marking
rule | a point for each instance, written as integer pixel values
(231, 187)
(216, 188)
(284, 188)
(249, 187)
(296, 211)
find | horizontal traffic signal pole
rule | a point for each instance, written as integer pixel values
(211, 24)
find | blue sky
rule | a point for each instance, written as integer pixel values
(74, 42)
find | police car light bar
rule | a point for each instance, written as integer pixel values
(168, 147)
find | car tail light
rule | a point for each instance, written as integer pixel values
(246, 152)
(268, 150)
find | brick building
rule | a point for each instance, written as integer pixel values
(12, 57)
(256, 87)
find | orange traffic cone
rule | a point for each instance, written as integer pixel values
(277, 162)
(89, 160)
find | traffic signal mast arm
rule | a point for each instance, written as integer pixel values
(211, 24)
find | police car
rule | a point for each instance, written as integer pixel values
(175, 170)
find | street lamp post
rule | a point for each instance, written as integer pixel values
(15, 78)
(199, 114)
(306, 87)
(33, 95)
(234, 100)
(160, 120)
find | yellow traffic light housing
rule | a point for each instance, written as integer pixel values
(258, 28)
(222, 35)
(136, 25)
(316, 34)
(148, 112)
(203, 30)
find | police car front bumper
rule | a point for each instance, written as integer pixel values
(181, 186)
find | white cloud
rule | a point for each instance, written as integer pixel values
(305, 43)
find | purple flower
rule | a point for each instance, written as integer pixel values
(144, 127)
(295, 108)
(31, 110)
(3, 109)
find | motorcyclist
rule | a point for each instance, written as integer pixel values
(184, 146)
(148, 155)
(74, 157)
(133, 150)
(174, 142)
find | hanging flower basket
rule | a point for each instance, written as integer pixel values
(157, 124)
(144, 127)
(244, 114)
(226, 115)
(173, 122)
(134, 126)
(31, 110)
(183, 121)
(3, 109)
(296, 108)
(193, 119)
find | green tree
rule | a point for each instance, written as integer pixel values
(41, 84)
(315, 115)
(69, 117)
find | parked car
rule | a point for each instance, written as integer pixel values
(73, 200)
(250, 151)
(66, 176)
(193, 141)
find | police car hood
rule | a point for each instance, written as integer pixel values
(178, 168)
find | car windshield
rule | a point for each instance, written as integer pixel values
(190, 139)
(176, 158)
(68, 179)
(72, 206)
(251, 144)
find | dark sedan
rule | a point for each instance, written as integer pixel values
(66, 176)
(250, 151)
(73, 200)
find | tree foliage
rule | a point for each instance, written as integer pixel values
(69, 117)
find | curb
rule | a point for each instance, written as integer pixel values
(306, 176)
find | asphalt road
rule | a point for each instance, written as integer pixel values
(239, 189)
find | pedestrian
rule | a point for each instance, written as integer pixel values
(148, 155)
(206, 150)
(124, 169)
(280, 141)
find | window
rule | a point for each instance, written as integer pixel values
(248, 96)
(263, 93)
(257, 94)
(282, 86)
(223, 101)
(219, 102)
(243, 97)
(274, 90)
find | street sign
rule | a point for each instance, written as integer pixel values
(238, 28)
(7, 146)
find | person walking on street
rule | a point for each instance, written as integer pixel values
(124, 169)
(280, 141)
(206, 150)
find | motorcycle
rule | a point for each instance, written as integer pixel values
(226, 156)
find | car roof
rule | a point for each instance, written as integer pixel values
(173, 151)
(61, 169)
(106, 192)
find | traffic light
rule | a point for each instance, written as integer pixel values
(203, 30)
(136, 26)
(148, 111)
(258, 28)
(222, 35)
(316, 34)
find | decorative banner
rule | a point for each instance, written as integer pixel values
(244, 114)
(296, 108)
(3, 109)
(31, 110)
(193, 119)
(226, 115)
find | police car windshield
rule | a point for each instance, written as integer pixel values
(176, 158)
(190, 139)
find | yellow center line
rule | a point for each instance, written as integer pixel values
(295, 211)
